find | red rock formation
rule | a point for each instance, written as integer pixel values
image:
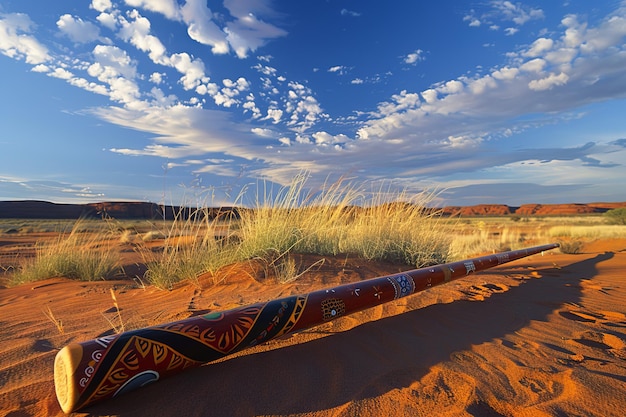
(141, 210)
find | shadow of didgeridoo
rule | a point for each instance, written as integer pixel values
(364, 362)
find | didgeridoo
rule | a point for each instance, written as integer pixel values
(97, 369)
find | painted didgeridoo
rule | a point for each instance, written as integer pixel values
(108, 366)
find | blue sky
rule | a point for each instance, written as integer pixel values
(492, 101)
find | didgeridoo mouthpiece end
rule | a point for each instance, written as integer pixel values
(65, 365)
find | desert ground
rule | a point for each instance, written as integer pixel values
(540, 336)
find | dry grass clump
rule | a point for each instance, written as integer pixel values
(190, 248)
(480, 238)
(571, 246)
(340, 218)
(74, 254)
(344, 218)
(589, 232)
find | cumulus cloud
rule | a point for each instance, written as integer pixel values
(101, 5)
(61, 73)
(168, 8)
(548, 82)
(114, 67)
(414, 57)
(339, 69)
(201, 27)
(528, 84)
(304, 108)
(17, 42)
(77, 29)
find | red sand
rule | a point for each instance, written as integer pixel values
(541, 336)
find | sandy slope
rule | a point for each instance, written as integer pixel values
(545, 335)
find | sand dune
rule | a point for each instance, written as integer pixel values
(545, 335)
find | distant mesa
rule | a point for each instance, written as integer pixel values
(531, 209)
(32, 209)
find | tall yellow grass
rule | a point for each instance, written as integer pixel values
(340, 218)
(75, 254)
(344, 218)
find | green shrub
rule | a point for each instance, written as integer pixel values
(616, 216)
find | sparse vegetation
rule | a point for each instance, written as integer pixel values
(117, 324)
(74, 254)
(571, 247)
(57, 322)
(339, 219)
(616, 216)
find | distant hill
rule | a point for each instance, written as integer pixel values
(531, 209)
(32, 209)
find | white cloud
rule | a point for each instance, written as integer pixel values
(16, 41)
(534, 65)
(506, 73)
(251, 106)
(539, 47)
(113, 61)
(157, 77)
(525, 85)
(247, 32)
(61, 73)
(548, 82)
(516, 13)
(40, 68)
(357, 81)
(473, 21)
(414, 57)
(108, 20)
(192, 69)
(227, 95)
(101, 5)
(265, 69)
(305, 110)
(462, 141)
(114, 67)
(77, 29)
(201, 28)
(266, 133)
(168, 8)
(346, 12)
(274, 114)
(504, 12)
(137, 32)
(325, 138)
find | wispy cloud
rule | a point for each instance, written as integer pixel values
(346, 12)
(503, 12)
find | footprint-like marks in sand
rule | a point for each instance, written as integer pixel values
(600, 340)
(579, 316)
(604, 317)
(482, 291)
